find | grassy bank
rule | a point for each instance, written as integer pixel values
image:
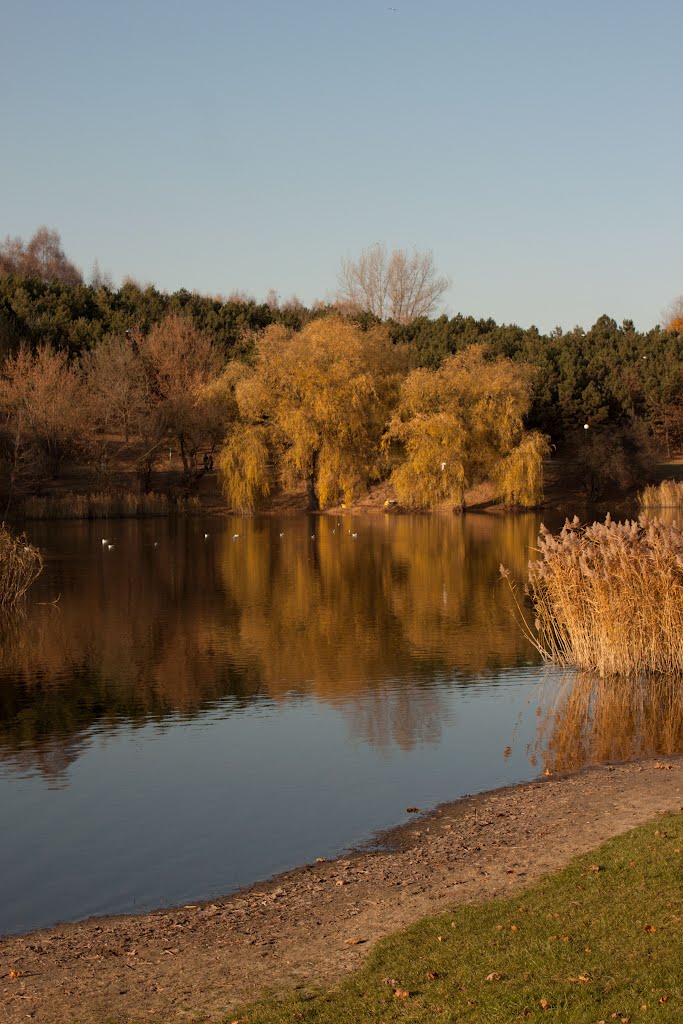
(600, 941)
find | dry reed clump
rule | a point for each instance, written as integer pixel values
(609, 597)
(104, 506)
(20, 565)
(668, 494)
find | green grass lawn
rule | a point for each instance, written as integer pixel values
(601, 941)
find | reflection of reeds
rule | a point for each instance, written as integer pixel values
(104, 506)
(609, 597)
(668, 494)
(599, 719)
(20, 565)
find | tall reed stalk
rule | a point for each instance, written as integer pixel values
(609, 597)
(105, 506)
(668, 494)
(20, 565)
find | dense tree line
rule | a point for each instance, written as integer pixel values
(88, 369)
(609, 374)
(77, 317)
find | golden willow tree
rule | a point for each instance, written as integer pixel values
(462, 424)
(313, 408)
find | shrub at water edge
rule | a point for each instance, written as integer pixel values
(20, 565)
(609, 597)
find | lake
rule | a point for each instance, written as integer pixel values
(207, 702)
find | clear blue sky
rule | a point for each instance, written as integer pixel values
(534, 146)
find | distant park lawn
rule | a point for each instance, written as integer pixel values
(600, 941)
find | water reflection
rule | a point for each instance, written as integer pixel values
(592, 720)
(172, 623)
(198, 712)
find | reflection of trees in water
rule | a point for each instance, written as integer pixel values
(404, 716)
(446, 590)
(151, 632)
(409, 590)
(595, 720)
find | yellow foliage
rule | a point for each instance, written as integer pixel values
(520, 474)
(323, 397)
(464, 423)
(244, 468)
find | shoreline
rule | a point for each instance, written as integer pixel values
(315, 923)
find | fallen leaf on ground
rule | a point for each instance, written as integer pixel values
(582, 977)
(596, 867)
(401, 993)
(650, 929)
(494, 976)
(544, 1004)
(431, 975)
(355, 942)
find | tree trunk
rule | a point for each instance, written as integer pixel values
(184, 456)
(311, 482)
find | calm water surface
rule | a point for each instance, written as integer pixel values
(198, 712)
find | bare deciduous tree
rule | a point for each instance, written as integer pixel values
(398, 286)
(42, 412)
(115, 386)
(672, 317)
(182, 367)
(42, 257)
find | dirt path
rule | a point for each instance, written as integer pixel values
(197, 962)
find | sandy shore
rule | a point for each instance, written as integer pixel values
(198, 961)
